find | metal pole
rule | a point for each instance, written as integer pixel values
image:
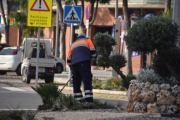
(57, 33)
(37, 57)
(87, 27)
(176, 15)
(71, 37)
(116, 36)
(116, 9)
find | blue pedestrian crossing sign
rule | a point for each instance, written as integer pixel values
(72, 14)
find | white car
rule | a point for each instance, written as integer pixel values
(60, 64)
(10, 60)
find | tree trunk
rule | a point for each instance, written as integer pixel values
(127, 19)
(93, 14)
(167, 6)
(5, 23)
(62, 41)
(83, 28)
(62, 37)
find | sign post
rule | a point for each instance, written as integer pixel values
(39, 15)
(87, 27)
(72, 15)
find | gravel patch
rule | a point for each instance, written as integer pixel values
(99, 114)
(85, 115)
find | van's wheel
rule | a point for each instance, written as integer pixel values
(18, 70)
(2, 72)
(25, 77)
(49, 79)
(59, 68)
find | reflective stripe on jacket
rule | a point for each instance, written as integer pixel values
(81, 50)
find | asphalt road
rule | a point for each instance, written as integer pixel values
(18, 98)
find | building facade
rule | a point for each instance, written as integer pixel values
(103, 23)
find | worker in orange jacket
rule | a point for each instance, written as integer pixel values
(81, 52)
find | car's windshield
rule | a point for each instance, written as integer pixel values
(7, 51)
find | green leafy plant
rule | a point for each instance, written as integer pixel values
(17, 115)
(54, 100)
(68, 102)
(103, 43)
(49, 93)
(97, 105)
(157, 34)
(167, 14)
(11, 114)
(97, 84)
(150, 76)
(114, 84)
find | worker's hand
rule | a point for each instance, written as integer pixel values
(71, 67)
(92, 61)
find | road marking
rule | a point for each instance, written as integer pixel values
(13, 89)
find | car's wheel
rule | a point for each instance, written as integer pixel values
(59, 68)
(49, 79)
(25, 76)
(2, 72)
(18, 70)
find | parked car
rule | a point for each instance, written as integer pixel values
(60, 64)
(10, 60)
(3, 46)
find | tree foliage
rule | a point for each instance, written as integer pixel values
(21, 19)
(103, 43)
(157, 34)
(172, 56)
(153, 33)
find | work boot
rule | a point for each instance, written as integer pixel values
(89, 100)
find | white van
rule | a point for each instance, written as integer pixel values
(10, 60)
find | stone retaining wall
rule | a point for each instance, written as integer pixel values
(153, 98)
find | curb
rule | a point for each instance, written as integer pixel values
(99, 91)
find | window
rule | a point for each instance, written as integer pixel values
(7, 52)
(103, 29)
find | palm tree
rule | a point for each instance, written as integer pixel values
(167, 6)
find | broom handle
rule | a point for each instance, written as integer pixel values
(66, 83)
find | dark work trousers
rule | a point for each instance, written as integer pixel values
(82, 73)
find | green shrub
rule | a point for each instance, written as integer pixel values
(68, 102)
(172, 56)
(103, 43)
(48, 93)
(17, 115)
(97, 84)
(97, 105)
(11, 115)
(150, 76)
(113, 84)
(157, 34)
(154, 33)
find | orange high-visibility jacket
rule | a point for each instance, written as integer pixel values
(81, 50)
